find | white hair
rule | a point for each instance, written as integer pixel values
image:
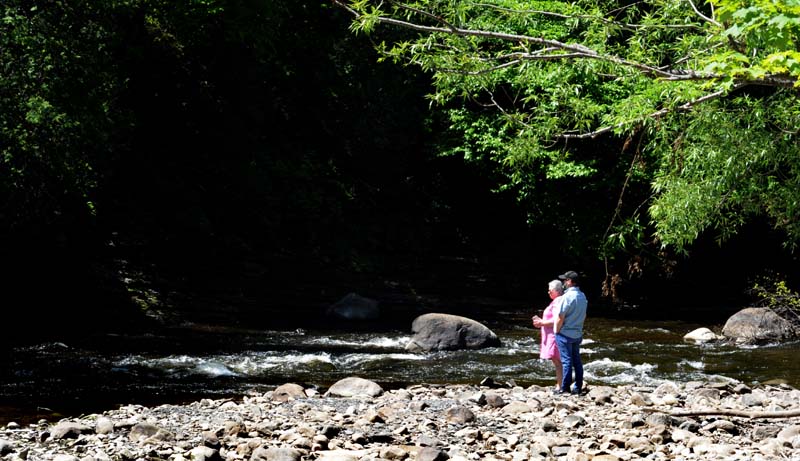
(556, 285)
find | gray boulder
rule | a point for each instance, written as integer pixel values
(69, 430)
(758, 325)
(443, 332)
(353, 387)
(701, 335)
(276, 454)
(354, 307)
(285, 392)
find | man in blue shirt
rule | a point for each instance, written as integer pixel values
(569, 332)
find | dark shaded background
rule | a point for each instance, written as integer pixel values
(258, 164)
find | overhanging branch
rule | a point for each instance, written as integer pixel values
(557, 50)
(579, 51)
(656, 114)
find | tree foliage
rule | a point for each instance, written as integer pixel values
(198, 145)
(57, 92)
(688, 110)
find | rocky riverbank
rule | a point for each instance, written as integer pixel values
(355, 420)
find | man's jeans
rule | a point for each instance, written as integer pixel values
(570, 351)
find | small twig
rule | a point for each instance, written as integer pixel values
(704, 17)
(586, 16)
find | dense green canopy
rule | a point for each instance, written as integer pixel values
(696, 104)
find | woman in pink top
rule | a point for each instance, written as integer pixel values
(549, 350)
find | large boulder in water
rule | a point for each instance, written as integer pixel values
(445, 332)
(354, 307)
(757, 325)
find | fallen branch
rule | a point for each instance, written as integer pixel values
(738, 413)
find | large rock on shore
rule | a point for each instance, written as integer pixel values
(758, 325)
(354, 386)
(445, 332)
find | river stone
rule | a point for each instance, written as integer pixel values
(204, 454)
(393, 452)
(210, 439)
(63, 457)
(710, 394)
(276, 454)
(459, 415)
(574, 421)
(516, 408)
(700, 445)
(432, 454)
(548, 425)
(701, 335)
(494, 400)
(417, 405)
(605, 457)
(755, 399)
(721, 425)
(657, 419)
(354, 386)
(354, 307)
(666, 388)
(634, 421)
(428, 441)
(639, 445)
(477, 397)
(601, 394)
(690, 426)
(680, 435)
(288, 391)
(341, 455)
(6, 447)
(69, 430)
(640, 400)
(773, 448)
(438, 332)
(104, 425)
(756, 325)
(765, 432)
(147, 431)
(741, 388)
(788, 433)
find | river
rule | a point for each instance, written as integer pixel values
(56, 379)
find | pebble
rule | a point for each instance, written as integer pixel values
(432, 423)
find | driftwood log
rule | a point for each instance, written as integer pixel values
(738, 413)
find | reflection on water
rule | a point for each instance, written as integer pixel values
(191, 363)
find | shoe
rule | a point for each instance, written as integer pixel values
(583, 391)
(558, 392)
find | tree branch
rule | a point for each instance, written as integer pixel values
(624, 25)
(483, 71)
(656, 114)
(580, 51)
(739, 413)
(557, 50)
(702, 16)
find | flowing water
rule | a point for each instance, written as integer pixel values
(93, 374)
